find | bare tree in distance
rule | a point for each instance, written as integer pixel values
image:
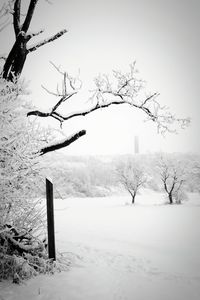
(120, 88)
(173, 175)
(132, 176)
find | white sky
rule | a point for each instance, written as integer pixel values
(162, 36)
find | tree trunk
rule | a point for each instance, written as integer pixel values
(133, 198)
(16, 59)
(170, 198)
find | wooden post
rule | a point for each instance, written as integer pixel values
(50, 220)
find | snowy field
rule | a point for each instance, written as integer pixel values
(122, 252)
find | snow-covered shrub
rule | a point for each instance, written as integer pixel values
(180, 196)
(21, 214)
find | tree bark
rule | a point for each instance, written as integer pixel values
(133, 197)
(16, 58)
(170, 198)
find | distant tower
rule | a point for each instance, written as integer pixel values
(136, 144)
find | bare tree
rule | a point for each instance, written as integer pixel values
(15, 60)
(172, 175)
(132, 176)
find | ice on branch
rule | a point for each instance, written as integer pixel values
(129, 88)
(120, 88)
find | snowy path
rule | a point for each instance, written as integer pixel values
(122, 252)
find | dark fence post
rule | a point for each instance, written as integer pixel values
(50, 220)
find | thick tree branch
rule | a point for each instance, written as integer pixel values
(16, 17)
(48, 40)
(29, 15)
(63, 143)
(38, 114)
(72, 115)
(86, 112)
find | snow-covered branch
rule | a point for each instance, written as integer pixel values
(123, 88)
(62, 143)
(46, 41)
(130, 89)
(32, 34)
(69, 87)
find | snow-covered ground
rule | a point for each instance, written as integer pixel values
(122, 252)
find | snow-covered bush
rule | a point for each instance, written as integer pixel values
(21, 214)
(180, 196)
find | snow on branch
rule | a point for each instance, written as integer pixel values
(32, 34)
(45, 41)
(130, 89)
(123, 88)
(62, 143)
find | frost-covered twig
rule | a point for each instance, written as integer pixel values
(123, 88)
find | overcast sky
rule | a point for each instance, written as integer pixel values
(163, 38)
